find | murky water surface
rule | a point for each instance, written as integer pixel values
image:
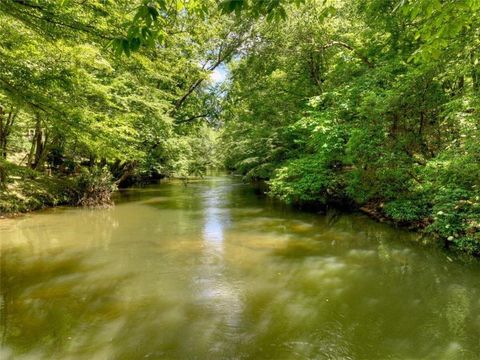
(213, 271)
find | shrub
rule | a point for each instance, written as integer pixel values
(456, 214)
(453, 180)
(95, 187)
(407, 210)
(308, 179)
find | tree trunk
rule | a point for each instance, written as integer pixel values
(128, 170)
(6, 124)
(3, 176)
(41, 151)
(2, 134)
(37, 151)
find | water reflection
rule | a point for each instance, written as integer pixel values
(215, 218)
(218, 294)
(55, 305)
(213, 271)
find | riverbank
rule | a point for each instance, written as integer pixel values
(449, 216)
(28, 190)
(461, 237)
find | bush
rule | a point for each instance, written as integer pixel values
(454, 182)
(95, 187)
(380, 171)
(304, 180)
(407, 210)
(456, 214)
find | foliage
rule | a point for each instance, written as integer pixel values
(374, 102)
(306, 180)
(407, 210)
(70, 105)
(454, 184)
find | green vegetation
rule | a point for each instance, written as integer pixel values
(371, 103)
(30, 190)
(73, 108)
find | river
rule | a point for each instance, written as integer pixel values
(212, 270)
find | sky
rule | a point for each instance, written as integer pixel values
(219, 75)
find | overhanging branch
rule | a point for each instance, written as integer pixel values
(192, 118)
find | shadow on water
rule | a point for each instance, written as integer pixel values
(54, 304)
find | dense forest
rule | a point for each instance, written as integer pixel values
(368, 104)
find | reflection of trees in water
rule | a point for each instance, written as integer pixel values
(174, 332)
(175, 197)
(363, 301)
(233, 279)
(390, 297)
(49, 308)
(320, 309)
(62, 228)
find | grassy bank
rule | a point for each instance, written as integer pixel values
(27, 190)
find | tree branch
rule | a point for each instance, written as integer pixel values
(198, 82)
(195, 117)
(221, 57)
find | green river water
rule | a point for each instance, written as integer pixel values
(214, 271)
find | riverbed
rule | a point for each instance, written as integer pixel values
(214, 270)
